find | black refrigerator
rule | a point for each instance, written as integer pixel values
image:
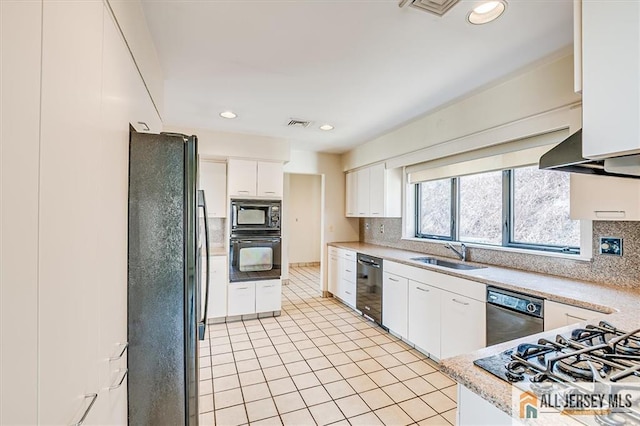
(166, 299)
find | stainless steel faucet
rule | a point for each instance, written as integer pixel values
(462, 254)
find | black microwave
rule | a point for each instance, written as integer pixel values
(255, 215)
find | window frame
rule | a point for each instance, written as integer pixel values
(453, 211)
(508, 185)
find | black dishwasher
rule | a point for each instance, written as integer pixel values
(369, 287)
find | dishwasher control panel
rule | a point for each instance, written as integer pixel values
(514, 301)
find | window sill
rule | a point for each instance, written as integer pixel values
(579, 257)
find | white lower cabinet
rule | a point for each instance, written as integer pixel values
(463, 325)
(218, 287)
(559, 315)
(268, 296)
(394, 303)
(334, 273)
(349, 293)
(424, 317)
(241, 298)
(253, 297)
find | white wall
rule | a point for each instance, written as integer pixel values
(132, 22)
(222, 144)
(303, 217)
(528, 100)
(335, 226)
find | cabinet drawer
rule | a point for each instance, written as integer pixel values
(349, 293)
(349, 270)
(241, 299)
(333, 251)
(348, 255)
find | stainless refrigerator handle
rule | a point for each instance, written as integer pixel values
(202, 326)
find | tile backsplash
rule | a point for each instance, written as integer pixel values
(607, 269)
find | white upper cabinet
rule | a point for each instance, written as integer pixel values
(610, 83)
(604, 198)
(363, 207)
(374, 192)
(351, 204)
(270, 179)
(242, 177)
(250, 178)
(213, 180)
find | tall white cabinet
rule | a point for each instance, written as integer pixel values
(70, 113)
(374, 191)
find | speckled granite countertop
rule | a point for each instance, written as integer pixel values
(621, 303)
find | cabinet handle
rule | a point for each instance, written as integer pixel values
(612, 214)
(575, 317)
(423, 289)
(460, 302)
(347, 292)
(362, 213)
(244, 192)
(269, 286)
(346, 270)
(269, 192)
(144, 125)
(242, 288)
(375, 213)
(394, 280)
(93, 397)
(124, 375)
(125, 345)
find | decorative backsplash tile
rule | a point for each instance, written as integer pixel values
(617, 270)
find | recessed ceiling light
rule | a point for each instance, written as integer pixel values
(326, 127)
(228, 114)
(486, 12)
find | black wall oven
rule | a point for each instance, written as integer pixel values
(253, 258)
(249, 216)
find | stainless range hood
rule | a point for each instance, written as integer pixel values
(567, 157)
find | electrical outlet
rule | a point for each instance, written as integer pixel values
(382, 228)
(366, 226)
(611, 245)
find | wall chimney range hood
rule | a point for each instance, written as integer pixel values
(567, 157)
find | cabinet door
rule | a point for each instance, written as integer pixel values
(334, 274)
(242, 177)
(20, 32)
(270, 179)
(610, 84)
(349, 270)
(463, 325)
(394, 303)
(218, 287)
(363, 208)
(559, 315)
(268, 296)
(241, 298)
(70, 170)
(351, 194)
(424, 317)
(377, 189)
(604, 198)
(213, 180)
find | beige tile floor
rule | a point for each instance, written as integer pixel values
(318, 363)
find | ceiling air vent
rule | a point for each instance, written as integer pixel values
(298, 123)
(437, 7)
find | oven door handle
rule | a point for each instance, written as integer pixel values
(202, 325)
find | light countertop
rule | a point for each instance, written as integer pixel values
(620, 302)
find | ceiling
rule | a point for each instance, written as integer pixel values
(363, 66)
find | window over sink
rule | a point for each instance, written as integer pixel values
(521, 207)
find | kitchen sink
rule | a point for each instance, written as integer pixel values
(446, 263)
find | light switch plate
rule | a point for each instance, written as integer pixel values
(611, 245)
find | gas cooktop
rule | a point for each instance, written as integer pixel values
(598, 359)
